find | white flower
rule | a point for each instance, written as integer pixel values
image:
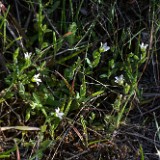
(158, 153)
(36, 79)
(59, 114)
(143, 46)
(104, 47)
(27, 55)
(119, 79)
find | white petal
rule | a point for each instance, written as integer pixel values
(104, 47)
(58, 113)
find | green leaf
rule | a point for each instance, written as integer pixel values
(21, 89)
(55, 43)
(28, 114)
(4, 156)
(43, 128)
(126, 88)
(15, 56)
(97, 93)
(71, 38)
(7, 153)
(37, 98)
(44, 45)
(96, 57)
(83, 88)
(103, 76)
(43, 146)
(111, 63)
(69, 73)
(83, 122)
(141, 152)
(88, 62)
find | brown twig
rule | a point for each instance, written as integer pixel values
(12, 23)
(3, 64)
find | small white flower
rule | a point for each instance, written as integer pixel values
(119, 79)
(27, 55)
(36, 79)
(158, 153)
(143, 46)
(104, 47)
(59, 114)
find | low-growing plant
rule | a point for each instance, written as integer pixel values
(71, 72)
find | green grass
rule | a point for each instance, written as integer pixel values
(75, 77)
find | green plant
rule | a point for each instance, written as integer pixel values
(80, 65)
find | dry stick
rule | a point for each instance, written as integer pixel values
(54, 28)
(20, 33)
(78, 155)
(17, 150)
(147, 112)
(17, 11)
(139, 136)
(13, 22)
(20, 43)
(3, 64)
(27, 21)
(16, 114)
(154, 60)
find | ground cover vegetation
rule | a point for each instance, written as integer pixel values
(79, 79)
